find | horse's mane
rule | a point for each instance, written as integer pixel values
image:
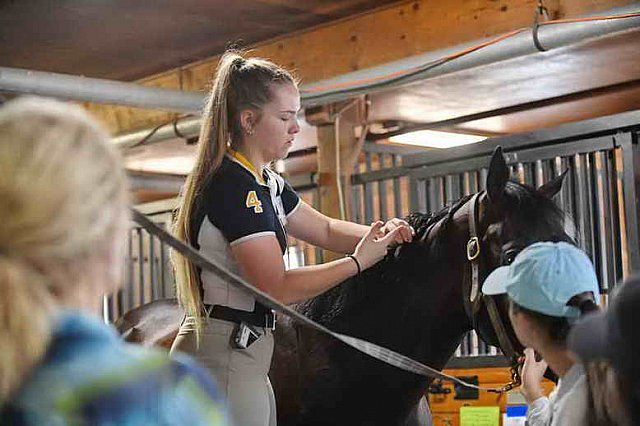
(390, 270)
(424, 223)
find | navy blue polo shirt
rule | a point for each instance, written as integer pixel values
(233, 207)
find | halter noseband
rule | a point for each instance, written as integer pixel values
(476, 297)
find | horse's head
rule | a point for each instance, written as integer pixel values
(514, 215)
(510, 216)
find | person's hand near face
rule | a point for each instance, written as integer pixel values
(532, 373)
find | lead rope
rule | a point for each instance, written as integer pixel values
(378, 352)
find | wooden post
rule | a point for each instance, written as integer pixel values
(349, 145)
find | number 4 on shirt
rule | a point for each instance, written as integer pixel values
(254, 202)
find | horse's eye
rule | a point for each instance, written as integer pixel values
(509, 256)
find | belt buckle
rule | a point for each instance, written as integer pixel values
(270, 321)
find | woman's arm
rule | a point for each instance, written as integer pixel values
(307, 224)
(261, 263)
(532, 374)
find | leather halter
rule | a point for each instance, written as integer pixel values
(476, 297)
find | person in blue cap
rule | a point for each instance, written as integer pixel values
(549, 285)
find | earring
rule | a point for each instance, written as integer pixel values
(250, 131)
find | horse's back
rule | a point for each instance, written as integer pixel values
(153, 324)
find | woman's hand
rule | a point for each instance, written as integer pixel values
(532, 374)
(406, 233)
(373, 246)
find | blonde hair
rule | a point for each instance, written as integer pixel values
(239, 83)
(63, 208)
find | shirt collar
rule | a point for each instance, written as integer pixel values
(240, 159)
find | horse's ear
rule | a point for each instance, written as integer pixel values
(551, 188)
(498, 176)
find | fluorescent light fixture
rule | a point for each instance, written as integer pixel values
(435, 139)
(179, 165)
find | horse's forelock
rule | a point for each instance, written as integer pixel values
(526, 209)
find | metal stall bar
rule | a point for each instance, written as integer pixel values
(602, 217)
(130, 282)
(163, 276)
(152, 268)
(631, 206)
(397, 199)
(141, 260)
(582, 201)
(368, 193)
(356, 197)
(618, 221)
(108, 308)
(382, 192)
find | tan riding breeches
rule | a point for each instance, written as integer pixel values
(241, 374)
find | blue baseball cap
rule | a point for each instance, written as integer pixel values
(544, 277)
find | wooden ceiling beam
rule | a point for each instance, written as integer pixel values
(388, 34)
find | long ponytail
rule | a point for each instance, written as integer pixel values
(25, 315)
(212, 143)
(585, 303)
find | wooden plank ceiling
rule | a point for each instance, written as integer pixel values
(127, 40)
(174, 44)
(594, 78)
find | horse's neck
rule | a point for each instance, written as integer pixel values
(414, 308)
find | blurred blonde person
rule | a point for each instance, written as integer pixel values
(64, 217)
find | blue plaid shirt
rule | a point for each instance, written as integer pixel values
(90, 377)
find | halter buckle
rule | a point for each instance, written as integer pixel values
(473, 248)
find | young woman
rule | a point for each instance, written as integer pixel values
(238, 212)
(64, 214)
(549, 286)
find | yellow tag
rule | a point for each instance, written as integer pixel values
(254, 202)
(479, 416)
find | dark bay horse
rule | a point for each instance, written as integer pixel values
(415, 302)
